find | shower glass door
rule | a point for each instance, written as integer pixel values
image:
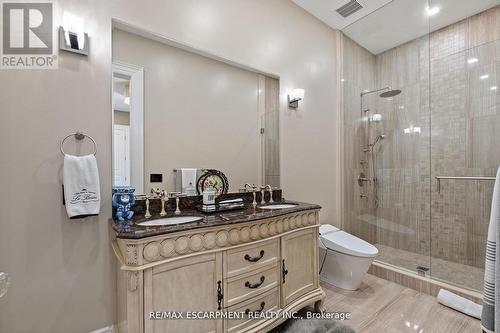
(465, 127)
(387, 136)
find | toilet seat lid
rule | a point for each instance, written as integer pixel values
(346, 243)
(326, 228)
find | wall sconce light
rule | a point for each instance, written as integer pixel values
(72, 38)
(294, 97)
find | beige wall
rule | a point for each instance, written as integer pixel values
(63, 279)
(192, 105)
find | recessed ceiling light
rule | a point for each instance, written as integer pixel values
(493, 88)
(484, 77)
(432, 11)
(472, 60)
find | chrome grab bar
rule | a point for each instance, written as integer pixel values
(439, 178)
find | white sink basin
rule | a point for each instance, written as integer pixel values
(171, 221)
(282, 206)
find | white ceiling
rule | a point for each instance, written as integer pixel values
(384, 24)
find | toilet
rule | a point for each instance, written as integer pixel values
(344, 257)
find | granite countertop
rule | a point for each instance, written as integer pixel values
(248, 214)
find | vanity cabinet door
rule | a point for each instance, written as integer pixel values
(299, 271)
(185, 285)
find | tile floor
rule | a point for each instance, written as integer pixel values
(383, 306)
(458, 274)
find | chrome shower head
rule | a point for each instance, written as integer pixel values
(390, 93)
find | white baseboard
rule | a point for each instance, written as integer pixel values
(109, 329)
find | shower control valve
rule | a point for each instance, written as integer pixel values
(362, 179)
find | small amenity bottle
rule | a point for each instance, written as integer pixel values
(209, 199)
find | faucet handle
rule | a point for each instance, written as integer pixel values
(249, 188)
(156, 192)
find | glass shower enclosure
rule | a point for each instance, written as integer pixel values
(418, 164)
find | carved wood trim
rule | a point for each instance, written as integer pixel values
(148, 250)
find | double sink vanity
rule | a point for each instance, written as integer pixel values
(260, 262)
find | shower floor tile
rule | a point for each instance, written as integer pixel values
(462, 275)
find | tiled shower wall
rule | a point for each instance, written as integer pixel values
(465, 115)
(459, 135)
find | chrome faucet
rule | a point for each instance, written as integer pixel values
(270, 189)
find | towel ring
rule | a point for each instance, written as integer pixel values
(78, 136)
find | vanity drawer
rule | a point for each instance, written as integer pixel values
(242, 287)
(250, 257)
(268, 301)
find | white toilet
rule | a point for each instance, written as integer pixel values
(347, 258)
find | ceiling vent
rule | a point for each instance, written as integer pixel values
(349, 8)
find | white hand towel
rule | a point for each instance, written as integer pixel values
(188, 178)
(81, 186)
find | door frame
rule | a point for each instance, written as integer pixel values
(136, 75)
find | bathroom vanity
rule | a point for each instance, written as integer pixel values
(257, 260)
(254, 260)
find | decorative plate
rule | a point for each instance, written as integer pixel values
(214, 178)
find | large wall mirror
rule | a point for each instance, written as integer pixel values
(177, 113)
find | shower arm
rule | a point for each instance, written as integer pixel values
(374, 91)
(363, 93)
